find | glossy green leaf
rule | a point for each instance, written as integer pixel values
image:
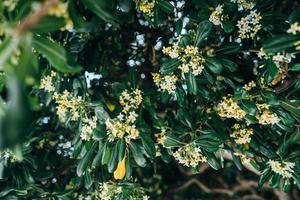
(56, 55)
(203, 31)
(137, 155)
(85, 161)
(169, 65)
(102, 10)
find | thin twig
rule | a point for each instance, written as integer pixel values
(29, 22)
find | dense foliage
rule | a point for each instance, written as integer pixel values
(104, 99)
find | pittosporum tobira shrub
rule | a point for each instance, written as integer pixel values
(97, 95)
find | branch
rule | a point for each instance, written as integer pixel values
(32, 20)
(287, 84)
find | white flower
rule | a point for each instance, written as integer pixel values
(294, 29)
(285, 169)
(249, 25)
(217, 16)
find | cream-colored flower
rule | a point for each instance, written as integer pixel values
(249, 25)
(249, 85)
(241, 135)
(294, 29)
(10, 4)
(265, 116)
(68, 104)
(217, 16)
(285, 169)
(61, 10)
(47, 82)
(87, 128)
(244, 158)
(189, 155)
(244, 4)
(165, 83)
(147, 7)
(229, 108)
(261, 54)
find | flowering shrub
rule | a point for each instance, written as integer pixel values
(112, 99)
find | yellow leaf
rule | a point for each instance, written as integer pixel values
(111, 107)
(119, 173)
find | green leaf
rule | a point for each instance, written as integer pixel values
(106, 154)
(295, 67)
(265, 176)
(172, 141)
(7, 47)
(214, 65)
(203, 30)
(212, 161)
(148, 144)
(77, 19)
(113, 160)
(101, 113)
(191, 83)
(228, 64)
(137, 155)
(269, 97)
(228, 48)
(292, 106)
(49, 24)
(165, 6)
(209, 140)
(275, 180)
(295, 15)
(97, 160)
(279, 43)
(169, 66)
(88, 181)
(271, 71)
(126, 5)
(85, 161)
(56, 55)
(228, 26)
(287, 186)
(102, 10)
(249, 107)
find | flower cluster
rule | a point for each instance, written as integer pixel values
(189, 155)
(130, 101)
(249, 85)
(160, 137)
(87, 128)
(241, 135)
(281, 61)
(124, 124)
(265, 116)
(112, 191)
(244, 158)
(229, 108)
(165, 83)
(249, 25)
(217, 16)
(191, 58)
(8, 155)
(147, 7)
(285, 169)
(244, 4)
(10, 4)
(47, 82)
(108, 191)
(294, 29)
(61, 10)
(64, 148)
(68, 104)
